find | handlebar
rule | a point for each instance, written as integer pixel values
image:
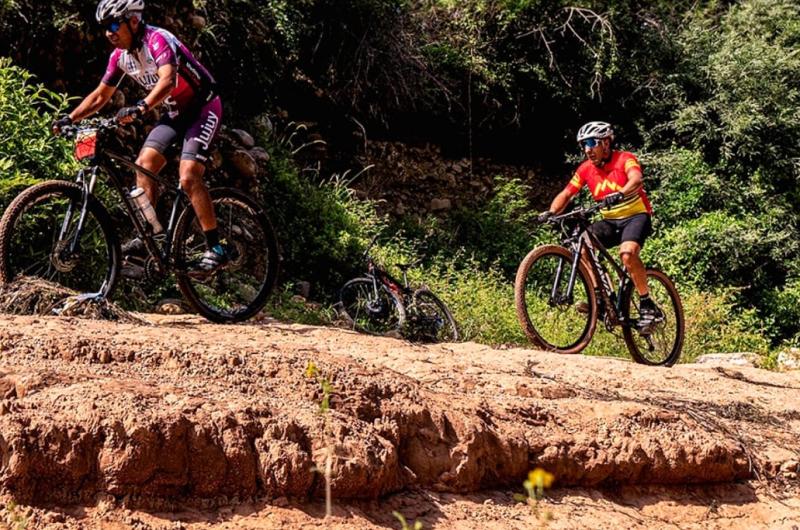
(580, 213)
(100, 124)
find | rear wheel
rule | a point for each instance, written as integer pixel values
(552, 318)
(661, 343)
(240, 289)
(38, 239)
(430, 320)
(370, 311)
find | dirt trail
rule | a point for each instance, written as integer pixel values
(224, 420)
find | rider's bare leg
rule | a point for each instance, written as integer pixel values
(192, 183)
(629, 252)
(153, 161)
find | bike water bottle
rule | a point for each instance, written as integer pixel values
(146, 209)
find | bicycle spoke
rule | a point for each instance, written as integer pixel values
(241, 286)
(559, 318)
(661, 344)
(42, 233)
(367, 312)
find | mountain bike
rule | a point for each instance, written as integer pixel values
(62, 232)
(379, 304)
(558, 306)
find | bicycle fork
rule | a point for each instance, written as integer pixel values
(557, 298)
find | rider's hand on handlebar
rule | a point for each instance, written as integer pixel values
(128, 115)
(544, 216)
(60, 123)
(614, 198)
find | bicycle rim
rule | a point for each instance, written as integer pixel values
(663, 345)
(37, 234)
(430, 320)
(551, 318)
(370, 312)
(240, 289)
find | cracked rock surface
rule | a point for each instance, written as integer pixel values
(183, 414)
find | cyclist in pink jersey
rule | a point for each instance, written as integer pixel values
(616, 177)
(160, 63)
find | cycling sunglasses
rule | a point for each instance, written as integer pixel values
(112, 25)
(591, 143)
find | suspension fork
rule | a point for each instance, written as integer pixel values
(573, 274)
(87, 188)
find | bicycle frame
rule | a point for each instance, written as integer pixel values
(105, 162)
(379, 275)
(582, 239)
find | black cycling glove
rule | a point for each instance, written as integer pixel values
(544, 216)
(129, 114)
(614, 198)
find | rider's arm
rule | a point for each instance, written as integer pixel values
(635, 181)
(167, 81)
(561, 201)
(93, 102)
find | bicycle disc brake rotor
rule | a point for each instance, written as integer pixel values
(376, 308)
(62, 259)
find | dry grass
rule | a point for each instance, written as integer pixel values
(34, 296)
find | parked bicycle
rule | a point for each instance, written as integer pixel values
(558, 308)
(379, 304)
(61, 231)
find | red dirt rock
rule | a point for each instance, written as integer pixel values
(185, 414)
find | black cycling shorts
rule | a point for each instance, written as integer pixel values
(199, 130)
(613, 232)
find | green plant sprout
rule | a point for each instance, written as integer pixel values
(405, 526)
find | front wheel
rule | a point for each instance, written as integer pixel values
(430, 320)
(552, 317)
(659, 343)
(39, 238)
(370, 310)
(240, 288)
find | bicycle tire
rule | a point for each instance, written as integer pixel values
(232, 294)
(448, 322)
(542, 337)
(360, 318)
(41, 260)
(673, 310)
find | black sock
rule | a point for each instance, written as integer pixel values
(212, 238)
(644, 297)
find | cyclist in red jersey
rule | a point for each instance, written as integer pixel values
(160, 63)
(616, 177)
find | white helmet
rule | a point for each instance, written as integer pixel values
(595, 129)
(118, 9)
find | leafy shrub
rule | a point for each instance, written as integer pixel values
(715, 249)
(498, 235)
(482, 302)
(682, 186)
(319, 226)
(28, 151)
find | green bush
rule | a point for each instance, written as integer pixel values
(682, 186)
(714, 249)
(497, 235)
(320, 227)
(28, 150)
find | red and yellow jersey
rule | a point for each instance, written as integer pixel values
(610, 178)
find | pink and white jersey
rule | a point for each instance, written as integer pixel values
(195, 85)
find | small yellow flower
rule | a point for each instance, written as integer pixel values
(540, 478)
(311, 370)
